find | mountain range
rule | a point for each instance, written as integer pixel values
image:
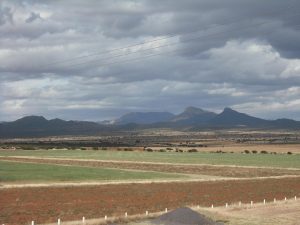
(38, 126)
(191, 118)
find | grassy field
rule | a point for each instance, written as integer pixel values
(14, 172)
(268, 160)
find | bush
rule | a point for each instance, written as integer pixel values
(103, 148)
(220, 151)
(263, 152)
(247, 151)
(254, 151)
(149, 149)
(289, 153)
(162, 150)
(193, 150)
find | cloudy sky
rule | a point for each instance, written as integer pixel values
(98, 59)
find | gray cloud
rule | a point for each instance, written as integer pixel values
(6, 15)
(211, 54)
(33, 16)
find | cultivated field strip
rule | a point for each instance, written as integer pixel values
(242, 160)
(210, 170)
(45, 205)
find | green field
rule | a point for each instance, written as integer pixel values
(15, 171)
(268, 160)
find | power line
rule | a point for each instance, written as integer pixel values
(149, 56)
(168, 45)
(169, 36)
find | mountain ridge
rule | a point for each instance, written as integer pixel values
(191, 118)
(193, 115)
(39, 126)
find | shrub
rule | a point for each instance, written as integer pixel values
(247, 151)
(254, 151)
(220, 151)
(263, 152)
(193, 150)
(289, 153)
(149, 149)
(162, 150)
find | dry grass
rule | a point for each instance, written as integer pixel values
(130, 219)
(279, 213)
(237, 148)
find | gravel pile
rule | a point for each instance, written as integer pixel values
(184, 216)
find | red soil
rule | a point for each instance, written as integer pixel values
(21, 205)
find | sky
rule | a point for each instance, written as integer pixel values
(98, 59)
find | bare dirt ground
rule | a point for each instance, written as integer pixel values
(45, 205)
(209, 170)
(7, 185)
(279, 213)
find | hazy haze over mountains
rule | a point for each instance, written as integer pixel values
(144, 117)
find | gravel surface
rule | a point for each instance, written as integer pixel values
(184, 216)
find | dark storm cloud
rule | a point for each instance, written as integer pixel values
(208, 53)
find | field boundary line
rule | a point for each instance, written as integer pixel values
(4, 186)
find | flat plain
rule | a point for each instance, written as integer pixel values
(43, 185)
(31, 172)
(238, 159)
(46, 204)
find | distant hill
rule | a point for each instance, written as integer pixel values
(38, 126)
(286, 124)
(193, 115)
(144, 117)
(191, 118)
(229, 118)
